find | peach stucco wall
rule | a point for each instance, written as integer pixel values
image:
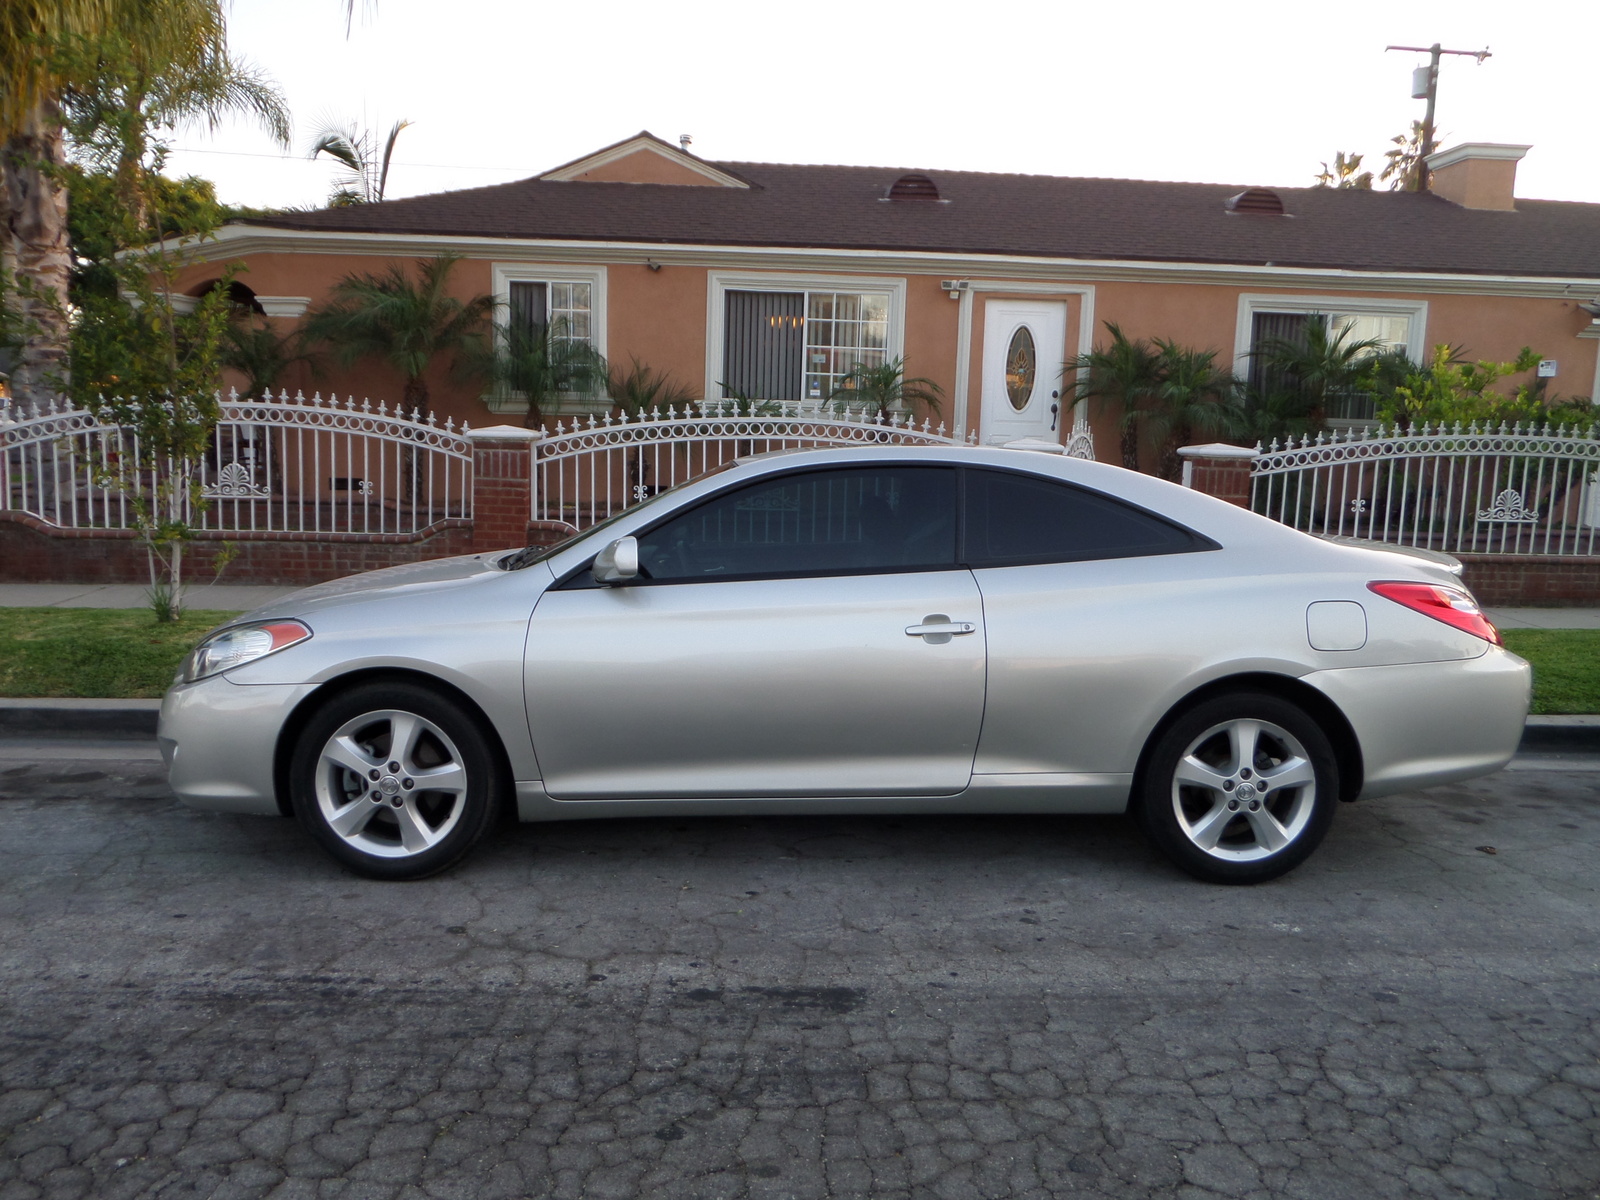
(646, 166)
(660, 317)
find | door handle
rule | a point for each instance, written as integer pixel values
(937, 629)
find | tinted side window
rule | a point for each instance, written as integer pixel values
(1024, 519)
(855, 521)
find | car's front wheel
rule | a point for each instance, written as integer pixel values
(394, 780)
(1239, 789)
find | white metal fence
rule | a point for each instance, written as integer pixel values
(599, 466)
(1472, 490)
(276, 464)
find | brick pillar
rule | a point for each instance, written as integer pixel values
(1219, 470)
(502, 486)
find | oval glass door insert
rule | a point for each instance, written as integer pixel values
(1020, 368)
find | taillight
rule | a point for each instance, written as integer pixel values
(1450, 605)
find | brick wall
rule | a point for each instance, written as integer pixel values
(502, 492)
(1531, 580)
(31, 552)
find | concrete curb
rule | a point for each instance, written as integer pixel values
(79, 718)
(137, 718)
(1556, 735)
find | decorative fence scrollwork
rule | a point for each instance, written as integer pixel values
(276, 464)
(1462, 490)
(585, 472)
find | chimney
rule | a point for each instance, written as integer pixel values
(1476, 174)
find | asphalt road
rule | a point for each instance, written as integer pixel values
(201, 1006)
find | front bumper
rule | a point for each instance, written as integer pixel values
(1423, 724)
(219, 740)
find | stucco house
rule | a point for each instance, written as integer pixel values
(775, 279)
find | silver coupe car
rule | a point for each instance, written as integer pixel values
(863, 630)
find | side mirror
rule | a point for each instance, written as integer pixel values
(618, 562)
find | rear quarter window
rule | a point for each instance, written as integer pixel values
(1014, 519)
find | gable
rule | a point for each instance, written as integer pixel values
(643, 159)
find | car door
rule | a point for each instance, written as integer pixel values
(807, 634)
(1095, 610)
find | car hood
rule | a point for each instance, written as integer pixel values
(434, 575)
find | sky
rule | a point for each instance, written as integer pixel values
(1227, 91)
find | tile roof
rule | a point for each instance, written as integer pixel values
(1029, 215)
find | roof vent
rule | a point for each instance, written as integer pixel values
(1262, 202)
(913, 187)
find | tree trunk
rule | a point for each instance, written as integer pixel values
(36, 227)
(1130, 447)
(1170, 466)
(415, 396)
(10, 311)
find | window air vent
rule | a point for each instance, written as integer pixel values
(1258, 201)
(914, 187)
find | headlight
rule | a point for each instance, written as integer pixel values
(234, 647)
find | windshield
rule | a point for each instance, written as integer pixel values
(529, 555)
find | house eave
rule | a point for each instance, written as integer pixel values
(233, 241)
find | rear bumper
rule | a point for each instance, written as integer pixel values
(1423, 724)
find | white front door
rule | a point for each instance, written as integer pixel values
(1024, 350)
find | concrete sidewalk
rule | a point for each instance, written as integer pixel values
(244, 597)
(1544, 618)
(223, 596)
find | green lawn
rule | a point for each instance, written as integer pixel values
(1566, 667)
(95, 652)
(115, 652)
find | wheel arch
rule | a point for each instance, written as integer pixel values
(307, 708)
(1327, 714)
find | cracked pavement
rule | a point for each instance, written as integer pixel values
(198, 1005)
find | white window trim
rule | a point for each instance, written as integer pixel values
(1251, 304)
(504, 274)
(719, 284)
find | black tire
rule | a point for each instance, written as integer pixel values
(383, 820)
(1224, 820)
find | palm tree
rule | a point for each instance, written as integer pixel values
(253, 348)
(356, 150)
(33, 202)
(51, 49)
(884, 387)
(538, 362)
(1345, 173)
(404, 322)
(1125, 375)
(1194, 397)
(161, 73)
(1320, 365)
(643, 389)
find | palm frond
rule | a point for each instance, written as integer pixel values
(643, 389)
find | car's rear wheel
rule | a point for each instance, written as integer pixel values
(394, 780)
(1239, 789)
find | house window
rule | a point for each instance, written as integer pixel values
(569, 305)
(570, 298)
(798, 345)
(1396, 325)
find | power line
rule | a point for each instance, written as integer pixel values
(297, 158)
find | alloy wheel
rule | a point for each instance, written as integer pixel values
(1244, 790)
(391, 783)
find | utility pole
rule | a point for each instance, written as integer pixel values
(1431, 91)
